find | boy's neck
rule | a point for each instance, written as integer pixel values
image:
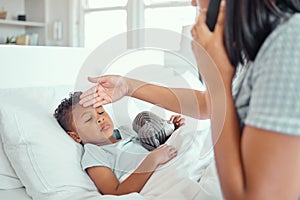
(110, 140)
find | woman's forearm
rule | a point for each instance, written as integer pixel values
(180, 100)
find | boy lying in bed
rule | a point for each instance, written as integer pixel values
(108, 157)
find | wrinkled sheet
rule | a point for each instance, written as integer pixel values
(191, 175)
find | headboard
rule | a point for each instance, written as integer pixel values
(27, 66)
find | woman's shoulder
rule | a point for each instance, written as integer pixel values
(285, 37)
(272, 82)
(286, 29)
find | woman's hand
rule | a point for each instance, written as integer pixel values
(163, 154)
(177, 120)
(213, 43)
(109, 89)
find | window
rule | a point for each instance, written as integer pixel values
(104, 3)
(104, 19)
(98, 29)
(155, 2)
(171, 18)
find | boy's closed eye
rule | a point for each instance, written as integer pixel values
(87, 120)
(100, 113)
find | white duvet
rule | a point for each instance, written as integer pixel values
(191, 175)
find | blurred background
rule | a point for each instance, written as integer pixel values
(87, 23)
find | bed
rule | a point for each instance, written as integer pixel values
(39, 161)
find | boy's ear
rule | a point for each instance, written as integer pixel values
(75, 136)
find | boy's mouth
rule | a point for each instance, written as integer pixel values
(105, 127)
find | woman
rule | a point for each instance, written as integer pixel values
(257, 152)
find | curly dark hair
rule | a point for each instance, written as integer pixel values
(63, 113)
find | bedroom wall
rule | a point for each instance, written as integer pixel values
(55, 66)
(15, 7)
(58, 10)
(55, 10)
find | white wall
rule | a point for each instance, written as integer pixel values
(26, 66)
(58, 10)
(13, 8)
(54, 10)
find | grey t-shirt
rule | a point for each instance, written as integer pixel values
(267, 92)
(122, 157)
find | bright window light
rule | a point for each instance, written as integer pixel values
(104, 19)
(128, 62)
(171, 18)
(98, 28)
(153, 2)
(105, 3)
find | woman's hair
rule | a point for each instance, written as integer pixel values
(249, 22)
(63, 113)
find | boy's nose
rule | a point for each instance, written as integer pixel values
(100, 120)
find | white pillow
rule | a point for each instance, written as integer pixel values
(43, 156)
(8, 177)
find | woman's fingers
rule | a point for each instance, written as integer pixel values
(87, 99)
(95, 98)
(93, 89)
(90, 91)
(200, 29)
(202, 17)
(88, 102)
(221, 17)
(102, 100)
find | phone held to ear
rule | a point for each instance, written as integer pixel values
(212, 14)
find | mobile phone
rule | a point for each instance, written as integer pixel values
(212, 14)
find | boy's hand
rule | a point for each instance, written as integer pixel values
(177, 120)
(163, 154)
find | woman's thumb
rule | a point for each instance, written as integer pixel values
(94, 79)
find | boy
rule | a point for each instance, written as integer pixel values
(108, 158)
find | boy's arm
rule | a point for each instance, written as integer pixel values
(107, 182)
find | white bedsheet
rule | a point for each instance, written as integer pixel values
(14, 194)
(191, 175)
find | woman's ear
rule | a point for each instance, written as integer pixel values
(75, 136)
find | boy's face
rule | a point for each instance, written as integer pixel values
(92, 125)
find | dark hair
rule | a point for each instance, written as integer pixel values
(249, 22)
(63, 113)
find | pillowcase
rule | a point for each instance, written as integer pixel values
(8, 177)
(44, 157)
